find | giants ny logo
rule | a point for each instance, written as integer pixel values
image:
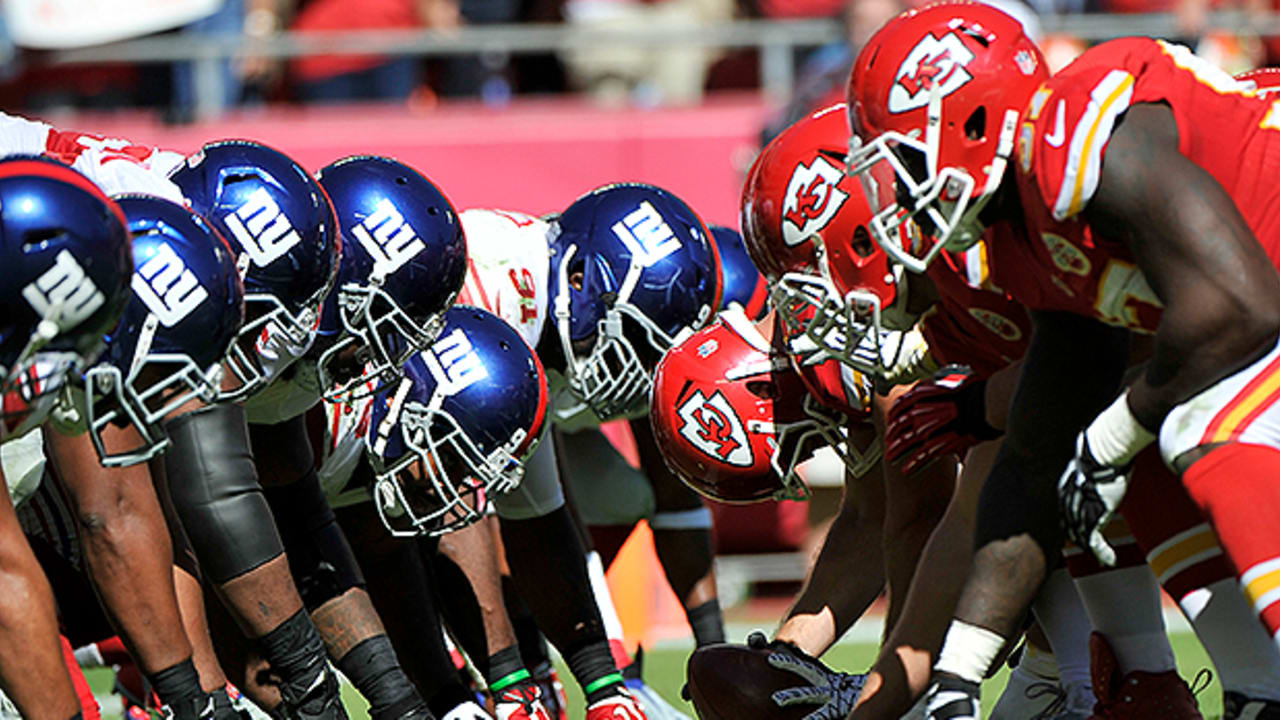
(933, 61)
(711, 425)
(167, 287)
(262, 229)
(454, 363)
(813, 198)
(64, 293)
(646, 235)
(388, 239)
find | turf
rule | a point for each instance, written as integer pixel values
(664, 671)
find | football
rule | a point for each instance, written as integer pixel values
(732, 682)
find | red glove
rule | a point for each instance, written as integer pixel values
(944, 415)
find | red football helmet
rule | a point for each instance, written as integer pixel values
(1264, 80)
(805, 224)
(934, 102)
(733, 419)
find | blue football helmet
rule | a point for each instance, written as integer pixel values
(403, 262)
(282, 230)
(67, 259)
(743, 283)
(633, 270)
(187, 306)
(458, 426)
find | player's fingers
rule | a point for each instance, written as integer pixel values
(1101, 548)
(804, 695)
(791, 663)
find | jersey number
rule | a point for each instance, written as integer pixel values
(527, 292)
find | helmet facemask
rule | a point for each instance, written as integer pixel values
(799, 439)
(270, 340)
(444, 480)
(156, 385)
(612, 377)
(822, 322)
(52, 353)
(903, 180)
(32, 389)
(383, 336)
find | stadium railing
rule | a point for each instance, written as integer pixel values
(776, 41)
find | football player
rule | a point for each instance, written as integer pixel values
(805, 225)
(658, 269)
(442, 442)
(401, 267)
(1167, 236)
(67, 255)
(125, 540)
(186, 308)
(284, 236)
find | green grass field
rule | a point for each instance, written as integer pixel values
(664, 671)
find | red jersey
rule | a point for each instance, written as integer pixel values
(836, 386)
(975, 322)
(1222, 126)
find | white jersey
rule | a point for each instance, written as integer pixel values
(345, 428)
(509, 274)
(285, 397)
(508, 268)
(115, 165)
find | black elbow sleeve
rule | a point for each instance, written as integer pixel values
(216, 494)
(1016, 503)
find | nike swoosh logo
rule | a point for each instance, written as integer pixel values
(1059, 126)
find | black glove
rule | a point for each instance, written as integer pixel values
(834, 692)
(1088, 494)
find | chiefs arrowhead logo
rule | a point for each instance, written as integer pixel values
(997, 323)
(933, 61)
(813, 198)
(711, 425)
(1067, 257)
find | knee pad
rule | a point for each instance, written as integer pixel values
(215, 491)
(320, 558)
(1014, 503)
(184, 553)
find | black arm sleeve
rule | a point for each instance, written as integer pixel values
(1071, 371)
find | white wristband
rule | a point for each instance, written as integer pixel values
(968, 651)
(1115, 436)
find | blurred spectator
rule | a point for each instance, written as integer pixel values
(800, 8)
(1060, 49)
(652, 74)
(486, 75)
(330, 78)
(230, 19)
(824, 74)
(1231, 52)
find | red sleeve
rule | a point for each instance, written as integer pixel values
(1064, 136)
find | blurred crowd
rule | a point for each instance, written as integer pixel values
(647, 76)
